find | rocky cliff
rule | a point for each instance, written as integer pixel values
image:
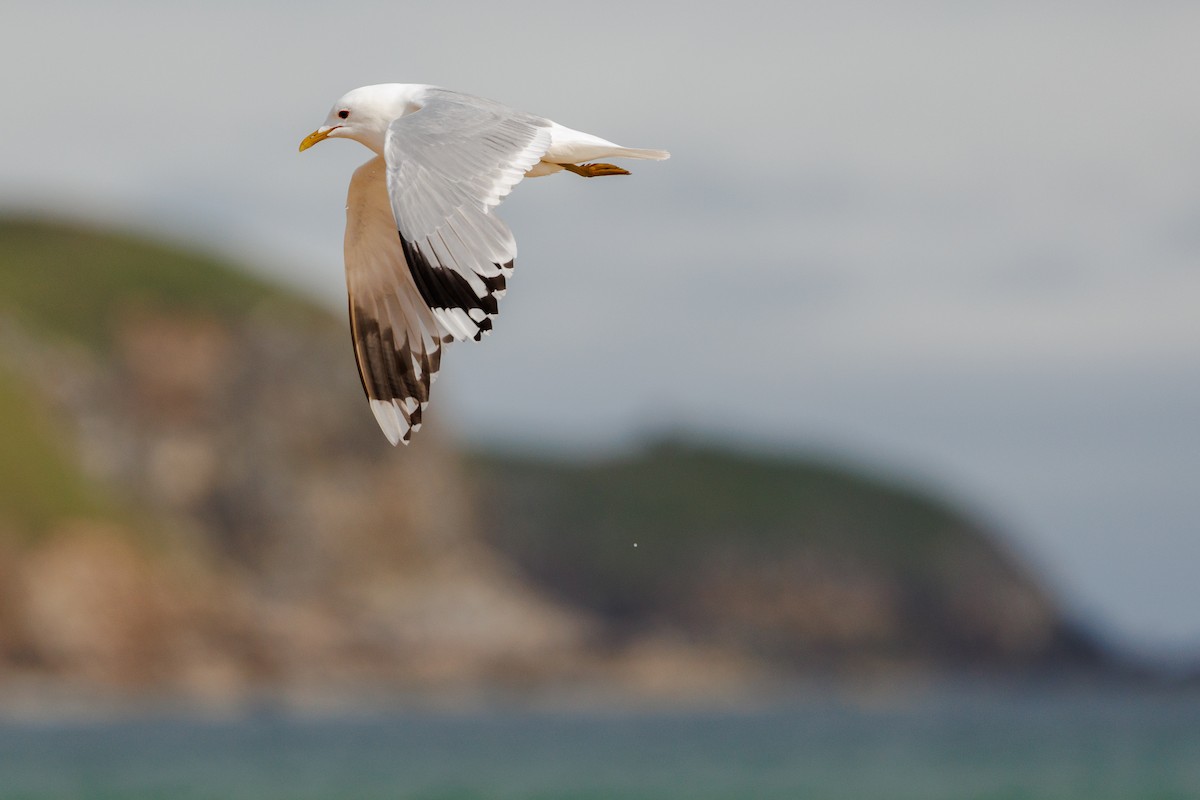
(234, 520)
(195, 501)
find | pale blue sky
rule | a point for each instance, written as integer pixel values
(961, 240)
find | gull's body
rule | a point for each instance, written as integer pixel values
(444, 160)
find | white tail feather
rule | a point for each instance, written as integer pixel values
(633, 152)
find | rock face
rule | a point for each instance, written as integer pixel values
(217, 516)
(276, 538)
(263, 534)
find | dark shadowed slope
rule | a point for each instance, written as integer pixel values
(797, 560)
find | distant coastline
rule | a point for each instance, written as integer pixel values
(170, 531)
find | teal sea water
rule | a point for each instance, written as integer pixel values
(1083, 745)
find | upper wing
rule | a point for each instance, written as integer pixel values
(397, 341)
(448, 165)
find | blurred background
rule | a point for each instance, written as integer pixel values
(851, 452)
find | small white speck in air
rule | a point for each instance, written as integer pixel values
(635, 544)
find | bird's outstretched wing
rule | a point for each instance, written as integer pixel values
(448, 165)
(397, 341)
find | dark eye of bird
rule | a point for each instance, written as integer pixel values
(343, 113)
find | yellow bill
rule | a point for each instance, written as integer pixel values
(319, 135)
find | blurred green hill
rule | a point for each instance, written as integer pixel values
(194, 501)
(76, 287)
(812, 564)
(76, 283)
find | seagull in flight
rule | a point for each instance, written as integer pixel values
(426, 259)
